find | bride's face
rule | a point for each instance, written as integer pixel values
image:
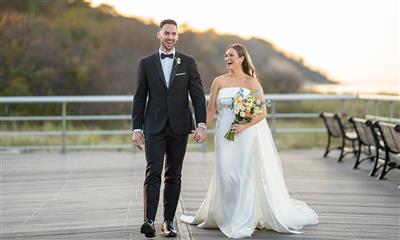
(232, 59)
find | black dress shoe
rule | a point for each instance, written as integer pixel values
(148, 228)
(168, 229)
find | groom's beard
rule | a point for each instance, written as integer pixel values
(168, 47)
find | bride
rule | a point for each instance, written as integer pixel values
(247, 189)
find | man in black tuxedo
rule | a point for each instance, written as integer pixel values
(162, 118)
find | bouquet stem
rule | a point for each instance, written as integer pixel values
(230, 136)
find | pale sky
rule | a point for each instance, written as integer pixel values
(352, 41)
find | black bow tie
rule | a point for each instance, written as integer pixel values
(163, 55)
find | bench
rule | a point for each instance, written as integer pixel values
(367, 137)
(390, 135)
(336, 129)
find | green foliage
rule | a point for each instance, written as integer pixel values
(18, 86)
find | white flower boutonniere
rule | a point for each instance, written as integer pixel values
(178, 60)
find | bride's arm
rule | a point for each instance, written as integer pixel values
(212, 102)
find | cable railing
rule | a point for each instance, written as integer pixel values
(391, 102)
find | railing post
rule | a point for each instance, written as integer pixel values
(273, 117)
(64, 127)
(391, 111)
(342, 106)
(365, 108)
(376, 109)
(134, 150)
(204, 147)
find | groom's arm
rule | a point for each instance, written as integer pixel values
(139, 99)
(196, 92)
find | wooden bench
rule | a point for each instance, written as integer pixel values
(390, 135)
(336, 129)
(367, 137)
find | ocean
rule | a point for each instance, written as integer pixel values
(365, 88)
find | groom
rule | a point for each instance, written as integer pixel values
(162, 118)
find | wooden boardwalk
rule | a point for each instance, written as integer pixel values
(98, 195)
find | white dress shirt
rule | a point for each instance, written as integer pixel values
(167, 64)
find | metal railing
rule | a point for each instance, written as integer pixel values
(273, 115)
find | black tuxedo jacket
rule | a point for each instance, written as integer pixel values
(155, 103)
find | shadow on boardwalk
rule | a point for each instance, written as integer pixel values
(98, 195)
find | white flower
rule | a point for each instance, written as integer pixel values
(242, 114)
(178, 60)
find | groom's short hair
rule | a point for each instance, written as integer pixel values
(168, 21)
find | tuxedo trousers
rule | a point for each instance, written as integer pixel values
(164, 148)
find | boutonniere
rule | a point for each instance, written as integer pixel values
(178, 60)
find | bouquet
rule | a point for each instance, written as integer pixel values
(244, 108)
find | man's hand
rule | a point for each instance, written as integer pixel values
(137, 140)
(199, 135)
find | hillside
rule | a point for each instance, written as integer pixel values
(68, 48)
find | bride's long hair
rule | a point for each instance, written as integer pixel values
(247, 64)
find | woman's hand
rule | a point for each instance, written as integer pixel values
(238, 127)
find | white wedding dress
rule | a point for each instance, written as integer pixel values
(247, 189)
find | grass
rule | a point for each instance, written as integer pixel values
(71, 140)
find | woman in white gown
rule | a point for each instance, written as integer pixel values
(247, 189)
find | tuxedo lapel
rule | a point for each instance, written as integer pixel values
(157, 63)
(174, 68)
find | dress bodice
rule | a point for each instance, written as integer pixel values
(224, 97)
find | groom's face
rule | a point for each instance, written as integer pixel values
(168, 35)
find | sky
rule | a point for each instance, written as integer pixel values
(351, 41)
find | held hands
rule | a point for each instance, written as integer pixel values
(199, 135)
(137, 140)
